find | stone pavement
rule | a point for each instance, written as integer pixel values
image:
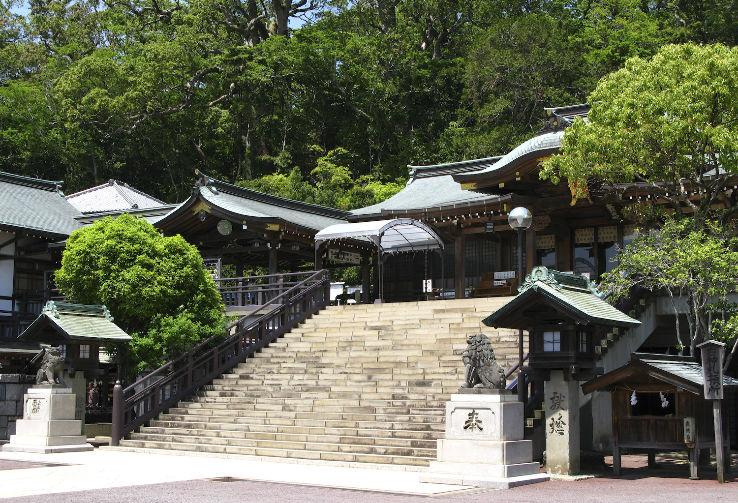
(105, 476)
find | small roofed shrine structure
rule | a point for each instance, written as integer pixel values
(564, 315)
(658, 404)
(235, 226)
(80, 331)
(400, 235)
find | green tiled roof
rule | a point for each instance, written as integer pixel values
(572, 294)
(59, 322)
(35, 205)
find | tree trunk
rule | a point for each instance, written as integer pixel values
(282, 15)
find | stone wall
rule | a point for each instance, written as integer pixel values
(12, 389)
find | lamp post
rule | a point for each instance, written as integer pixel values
(520, 219)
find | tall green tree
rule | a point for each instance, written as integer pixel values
(156, 287)
(669, 122)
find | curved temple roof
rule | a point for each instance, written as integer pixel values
(241, 203)
(431, 188)
(390, 236)
(536, 147)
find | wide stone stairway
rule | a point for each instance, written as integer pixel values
(362, 383)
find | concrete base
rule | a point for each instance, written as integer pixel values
(484, 444)
(48, 449)
(48, 423)
(484, 482)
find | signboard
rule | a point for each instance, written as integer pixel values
(427, 285)
(689, 432)
(489, 227)
(344, 257)
(712, 368)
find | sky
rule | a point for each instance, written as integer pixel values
(21, 9)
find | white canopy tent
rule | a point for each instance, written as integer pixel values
(389, 236)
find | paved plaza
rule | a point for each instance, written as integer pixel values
(113, 476)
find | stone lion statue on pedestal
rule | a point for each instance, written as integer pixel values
(482, 370)
(51, 367)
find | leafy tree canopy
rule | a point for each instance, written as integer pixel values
(156, 287)
(669, 122)
(147, 91)
(693, 260)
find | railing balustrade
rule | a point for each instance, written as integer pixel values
(303, 295)
(256, 290)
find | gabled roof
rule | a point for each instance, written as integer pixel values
(431, 188)
(61, 322)
(679, 371)
(112, 196)
(572, 296)
(239, 204)
(35, 205)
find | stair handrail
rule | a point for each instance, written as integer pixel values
(178, 378)
(515, 367)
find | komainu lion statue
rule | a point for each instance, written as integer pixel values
(482, 371)
(51, 367)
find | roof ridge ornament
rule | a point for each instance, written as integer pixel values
(539, 274)
(50, 308)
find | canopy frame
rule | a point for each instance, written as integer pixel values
(389, 237)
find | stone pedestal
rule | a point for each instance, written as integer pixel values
(562, 425)
(484, 444)
(48, 423)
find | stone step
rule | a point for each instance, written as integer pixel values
(298, 407)
(237, 401)
(393, 423)
(362, 383)
(395, 417)
(305, 430)
(284, 444)
(282, 453)
(254, 437)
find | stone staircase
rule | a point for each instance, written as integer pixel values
(363, 383)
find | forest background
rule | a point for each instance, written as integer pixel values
(325, 101)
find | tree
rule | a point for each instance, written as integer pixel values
(156, 287)
(697, 262)
(669, 122)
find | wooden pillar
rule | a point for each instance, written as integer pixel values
(530, 251)
(273, 258)
(365, 279)
(459, 269)
(375, 280)
(563, 249)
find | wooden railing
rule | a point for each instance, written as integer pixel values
(254, 291)
(177, 379)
